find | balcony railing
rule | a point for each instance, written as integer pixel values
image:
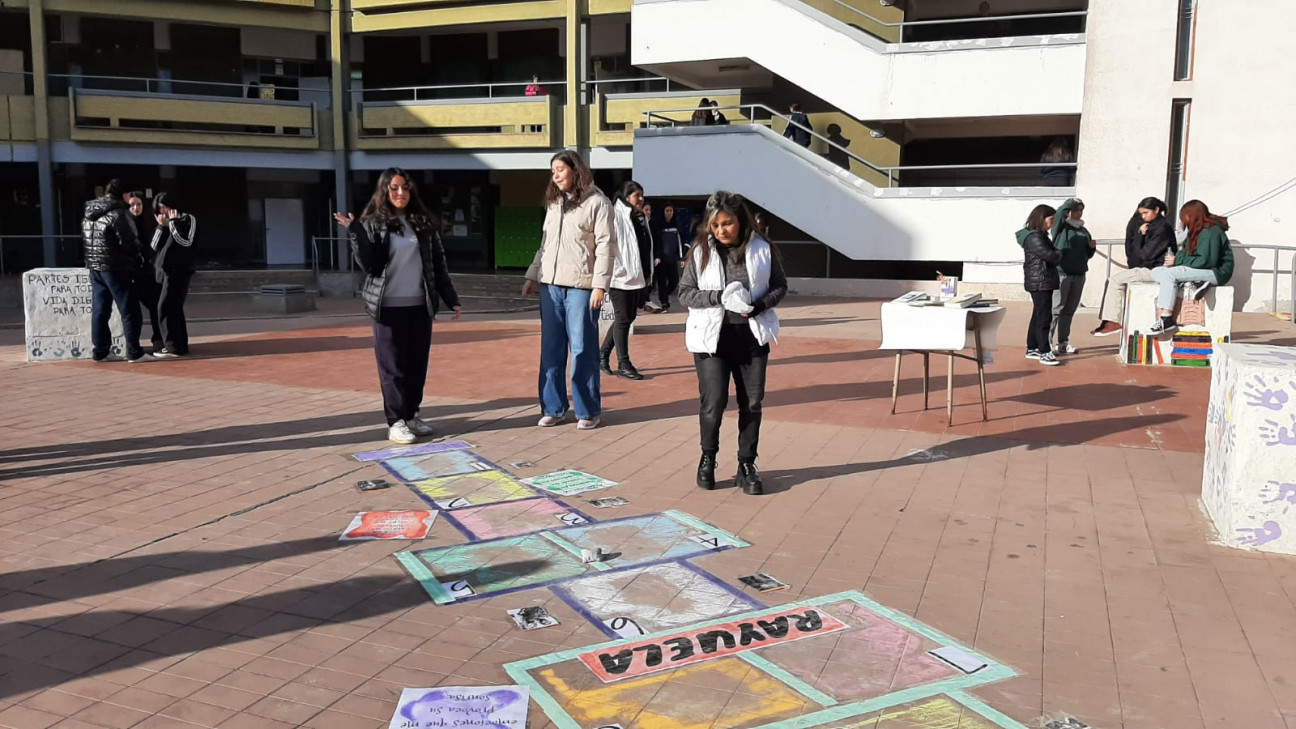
(889, 176)
(509, 89)
(892, 31)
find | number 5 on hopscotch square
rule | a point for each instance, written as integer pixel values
(458, 589)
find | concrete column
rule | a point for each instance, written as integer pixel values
(574, 132)
(44, 159)
(340, 72)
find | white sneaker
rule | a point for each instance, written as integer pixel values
(588, 423)
(400, 433)
(550, 421)
(1065, 348)
(1049, 359)
(165, 354)
(146, 357)
(419, 426)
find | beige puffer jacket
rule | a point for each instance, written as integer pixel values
(578, 245)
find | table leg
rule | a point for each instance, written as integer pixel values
(976, 331)
(949, 391)
(895, 384)
(926, 375)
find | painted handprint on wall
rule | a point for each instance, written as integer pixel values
(1274, 492)
(1259, 536)
(1275, 433)
(1269, 394)
(1270, 356)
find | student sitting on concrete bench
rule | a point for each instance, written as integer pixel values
(1205, 260)
(1149, 244)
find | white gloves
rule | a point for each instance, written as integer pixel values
(736, 298)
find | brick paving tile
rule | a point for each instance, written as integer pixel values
(186, 572)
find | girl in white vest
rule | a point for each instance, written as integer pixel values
(731, 283)
(632, 270)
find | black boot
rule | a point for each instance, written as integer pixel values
(706, 471)
(749, 479)
(604, 365)
(629, 372)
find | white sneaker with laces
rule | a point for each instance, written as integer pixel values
(588, 423)
(400, 433)
(165, 354)
(550, 421)
(1049, 359)
(1065, 348)
(419, 426)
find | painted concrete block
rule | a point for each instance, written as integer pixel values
(1203, 327)
(56, 309)
(1249, 477)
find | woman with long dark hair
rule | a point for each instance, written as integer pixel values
(631, 277)
(1149, 244)
(397, 244)
(173, 265)
(1205, 260)
(572, 271)
(731, 283)
(1040, 271)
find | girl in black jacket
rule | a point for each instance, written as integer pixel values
(396, 243)
(1041, 280)
(173, 264)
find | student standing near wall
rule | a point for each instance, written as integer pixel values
(173, 264)
(731, 283)
(1040, 280)
(397, 244)
(1077, 246)
(631, 278)
(110, 248)
(572, 271)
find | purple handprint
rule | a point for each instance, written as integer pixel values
(1260, 394)
(1273, 434)
(1286, 494)
(1256, 537)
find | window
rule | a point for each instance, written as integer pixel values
(1177, 171)
(1184, 39)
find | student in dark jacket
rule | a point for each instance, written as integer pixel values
(397, 245)
(702, 115)
(1205, 260)
(1149, 244)
(1040, 270)
(672, 242)
(145, 284)
(111, 250)
(173, 265)
(798, 129)
(1077, 246)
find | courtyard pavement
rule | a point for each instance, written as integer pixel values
(169, 553)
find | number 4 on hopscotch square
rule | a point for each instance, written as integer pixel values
(709, 541)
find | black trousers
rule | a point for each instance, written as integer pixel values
(148, 291)
(1037, 334)
(402, 342)
(668, 276)
(626, 306)
(107, 288)
(740, 358)
(170, 306)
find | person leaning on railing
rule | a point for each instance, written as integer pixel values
(1149, 244)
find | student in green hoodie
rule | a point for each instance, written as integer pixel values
(1072, 238)
(1205, 259)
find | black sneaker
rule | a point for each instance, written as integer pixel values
(1195, 289)
(1032, 354)
(1167, 325)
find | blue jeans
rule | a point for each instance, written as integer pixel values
(1171, 276)
(566, 321)
(106, 288)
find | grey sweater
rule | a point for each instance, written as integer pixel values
(735, 270)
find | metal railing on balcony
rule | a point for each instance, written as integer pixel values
(981, 21)
(762, 115)
(509, 89)
(62, 84)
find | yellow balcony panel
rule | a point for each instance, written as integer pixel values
(615, 117)
(191, 120)
(870, 18)
(609, 7)
(377, 15)
(264, 13)
(18, 119)
(459, 123)
(293, 3)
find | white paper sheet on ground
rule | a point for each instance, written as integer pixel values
(467, 706)
(958, 658)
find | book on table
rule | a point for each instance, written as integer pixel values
(962, 301)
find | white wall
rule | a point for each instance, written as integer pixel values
(858, 73)
(835, 207)
(1240, 140)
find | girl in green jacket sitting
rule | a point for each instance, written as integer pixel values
(1204, 260)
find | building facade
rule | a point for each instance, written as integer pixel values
(936, 124)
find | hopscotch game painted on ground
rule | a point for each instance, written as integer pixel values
(686, 648)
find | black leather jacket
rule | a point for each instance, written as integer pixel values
(1041, 264)
(370, 244)
(108, 237)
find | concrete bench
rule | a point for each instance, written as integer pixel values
(283, 299)
(1202, 326)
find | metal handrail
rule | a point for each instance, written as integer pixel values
(333, 257)
(889, 171)
(149, 82)
(489, 86)
(643, 80)
(1273, 271)
(987, 19)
